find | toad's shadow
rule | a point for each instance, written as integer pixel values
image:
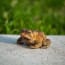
(10, 40)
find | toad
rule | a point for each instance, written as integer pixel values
(34, 39)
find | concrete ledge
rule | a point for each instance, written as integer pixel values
(13, 54)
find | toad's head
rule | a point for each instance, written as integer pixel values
(28, 35)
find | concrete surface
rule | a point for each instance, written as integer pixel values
(13, 54)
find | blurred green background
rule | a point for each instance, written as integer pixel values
(42, 15)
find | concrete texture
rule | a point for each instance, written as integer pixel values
(13, 54)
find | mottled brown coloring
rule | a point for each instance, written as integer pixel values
(34, 39)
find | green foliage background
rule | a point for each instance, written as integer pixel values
(42, 15)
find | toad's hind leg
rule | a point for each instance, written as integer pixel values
(46, 43)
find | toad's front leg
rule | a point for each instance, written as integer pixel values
(19, 41)
(35, 46)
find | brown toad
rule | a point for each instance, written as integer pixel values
(34, 39)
